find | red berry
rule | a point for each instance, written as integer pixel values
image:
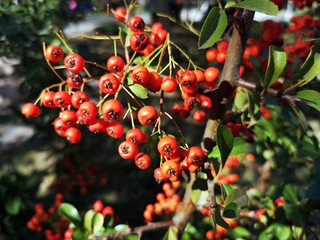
(69, 117)
(62, 99)
(54, 53)
(168, 146)
(73, 134)
(115, 129)
(127, 150)
(78, 98)
(109, 83)
(87, 112)
(142, 160)
(112, 110)
(120, 14)
(139, 41)
(140, 75)
(74, 62)
(47, 99)
(136, 24)
(115, 64)
(30, 110)
(75, 80)
(98, 206)
(147, 115)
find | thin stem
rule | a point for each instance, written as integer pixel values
(49, 64)
(136, 230)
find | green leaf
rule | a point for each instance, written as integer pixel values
(87, 219)
(172, 233)
(237, 196)
(139, 90)
(13, 205)
(312, 98)
(78, 234)
(240, 101)
(232, 210)
(121, 227)
(263, 6)
(224, 141)
(226, 190)
(200, 182)
(199, 197)
(311, 67)
(70, 213)
(290, 194)
(97, 222)
(276, 63)
(282, 231)
(219, 220)
(239, 146)
(240, 232)
(213, 27)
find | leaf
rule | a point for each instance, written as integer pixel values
(200, 182)
(97, 222)
(139, 90)
(213, 27)
(219, 220)
(311, 67)
(224, 141)
(237, 196)
(172, 233)
(121, 227)
(70, 213)
(226, 190)
(87, 220)
(13, 205)
(239, 146)
(276, 63)
(263, 6)
(290, 194)
(199, 197)
(312, 98)
(232, 210)
(78, 234)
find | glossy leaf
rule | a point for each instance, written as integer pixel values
(213, 27)
(232, 210)
(199, 197)
(219, 220)
(311, 67)
(224, 141)
(121, 228)
(78, 234)
(13, 205)
(172, 233)
(263, 6)
(87, 219)
(237, 196)
(71, 213)
(239, 146)
(312, 98)
(97, 222)
(290, 193)
(276, 63)
(226, 190)
(139, 91)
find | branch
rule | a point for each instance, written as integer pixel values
(220, 97)
(136, 230)
(292, 100)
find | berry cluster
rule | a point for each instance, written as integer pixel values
(41, 220)
(304, 3)
(167, 201)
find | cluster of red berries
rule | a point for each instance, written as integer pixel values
(72, 179)
(167, 201)
(301, 27)
(39, 221)
(304, 3)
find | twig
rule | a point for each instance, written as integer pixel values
(136, 230)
